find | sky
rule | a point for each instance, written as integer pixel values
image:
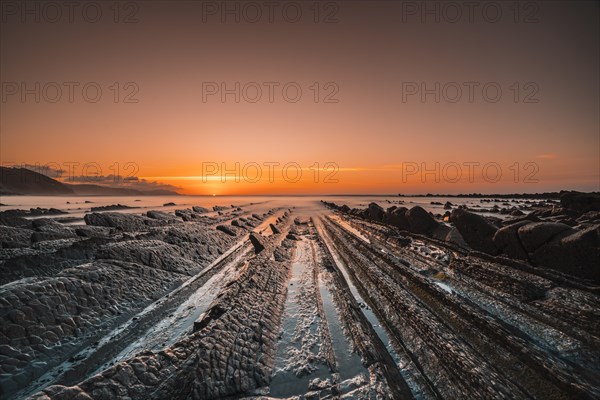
(306, 98)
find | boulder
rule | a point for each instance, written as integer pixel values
(507, 240)
(292, 236)
(375, 212)
(398, 218)
(453, 236)
(226, 229)
(200, 210)
(420, 221)
(258, 242)
(159, 215)
(477, 231)
(533, 235)
(39, 222)
(236, 222)
(580, 202)
(185, 215)
(125, 222)
(274, 229)
(388, 213)
(111, 207)
(576, 254)
(440, 232)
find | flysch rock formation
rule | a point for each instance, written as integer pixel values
(489, 301)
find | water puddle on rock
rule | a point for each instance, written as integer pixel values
(349, 363)
(170, 329)
(304, 352)
(299, 358)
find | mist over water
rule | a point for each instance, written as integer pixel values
(78, 206)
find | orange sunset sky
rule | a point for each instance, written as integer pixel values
(369, 54)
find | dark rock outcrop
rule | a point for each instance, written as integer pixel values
(533, 235)
(125, 222)
(453, 236)
(46, 313)
(14, 221)
(52, 231)
(153, 253)
(112, 207)
(506, 239)
(11, 237)
(229, 354)
(274, 229)
(237, 222)
(375, 212)
(477, 231)
(227, 229)
(580, 202)
(398, 218)
(93, 231)
(258, 242)
(420, 221)
(575, 254)
(185, 215)
(161, 215)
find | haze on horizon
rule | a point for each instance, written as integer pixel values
(362, 119)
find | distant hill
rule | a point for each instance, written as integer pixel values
(97, 190)
(23, 181)
(27, 182)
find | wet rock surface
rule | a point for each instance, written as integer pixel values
(259, 302)
(565, 239)
(65, 287)
(230, 351)
(497, 322)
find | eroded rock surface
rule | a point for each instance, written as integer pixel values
(231, 351)
(64, 287)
